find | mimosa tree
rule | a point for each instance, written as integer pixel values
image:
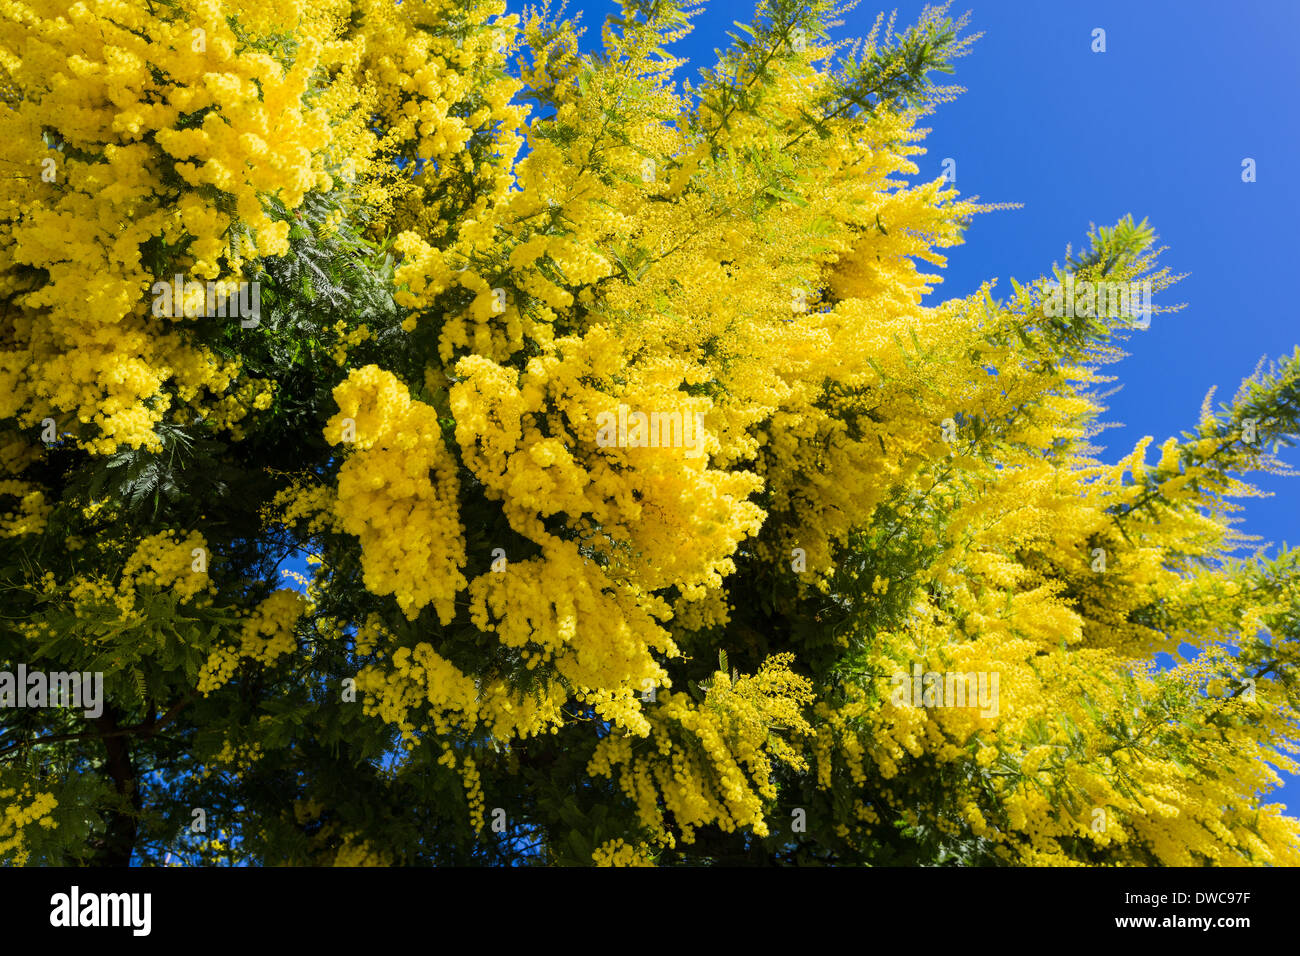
(648, 512)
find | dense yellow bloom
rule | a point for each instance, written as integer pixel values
(397, 493)
(266, 635)
(20, 808)
(167, 561)
(662, 387)
(712, 764)
(619, 853)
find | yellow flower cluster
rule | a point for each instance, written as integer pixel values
(22, 807)
(166, 561)
(565, 612)
(398, 493)
(237, 756)
(265, 636)
(417, 677)
(666, 518)
(617, 852)
(163, 562)
(713, 763)
(421, 87)
(132, 129)
(471, 781)
(1045, 769)
(302, 503)
(348, 338)
(229, 118)
(29, 514)
(268, 633)
(418, 681)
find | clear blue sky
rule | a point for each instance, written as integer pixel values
(1156, 126)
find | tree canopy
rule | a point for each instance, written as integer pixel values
(636, 507)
